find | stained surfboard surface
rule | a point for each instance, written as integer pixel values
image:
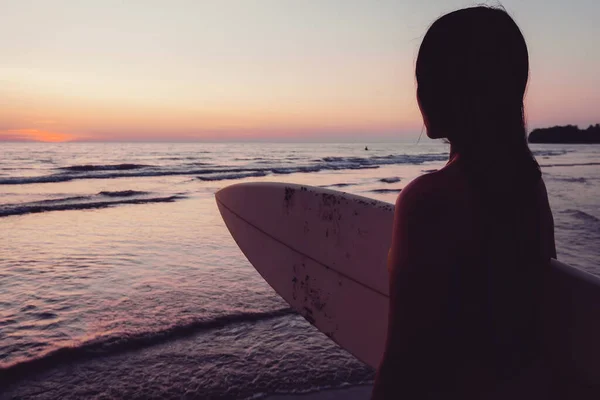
(325, 253)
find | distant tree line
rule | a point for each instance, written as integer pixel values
(566, 134)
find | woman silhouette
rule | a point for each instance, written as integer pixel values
(472, 240)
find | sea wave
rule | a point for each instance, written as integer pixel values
(84, 202)
(571, 179)
(198, 163)
(339, 185)
(123, 193)
(53, 201)
(393, 179)
(386, 190)
(77, 172)
(389, 159)
(570, 164)
(549, 153)
(125, 342)
(19, 180)
(238, 175)
(104, 167)
(581, 215)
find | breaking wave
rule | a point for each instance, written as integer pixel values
(126, 342)
(85, 202)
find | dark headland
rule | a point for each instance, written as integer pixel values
(566, 134)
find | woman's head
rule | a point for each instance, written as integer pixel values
(472, 72)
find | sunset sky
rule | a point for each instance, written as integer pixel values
(103, 70)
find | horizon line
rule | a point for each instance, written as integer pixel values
(358, 141)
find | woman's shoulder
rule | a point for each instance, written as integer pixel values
(436, 208)
(439, 189)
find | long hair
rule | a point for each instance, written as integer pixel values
(472, 72)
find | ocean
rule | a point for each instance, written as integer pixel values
(118, 278)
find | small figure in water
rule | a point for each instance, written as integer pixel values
(471, 242)
(366, 148)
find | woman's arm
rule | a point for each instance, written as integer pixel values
(418, 265)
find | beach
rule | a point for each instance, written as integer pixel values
(120, 279)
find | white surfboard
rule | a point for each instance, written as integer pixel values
(325, 253)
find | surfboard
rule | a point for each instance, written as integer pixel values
(325, 252)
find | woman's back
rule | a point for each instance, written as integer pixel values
(449, 297)
(494, 284)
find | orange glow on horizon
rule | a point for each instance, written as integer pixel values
(36, 135)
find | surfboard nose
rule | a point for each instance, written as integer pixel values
(237, 191)
(228, 192)
(241, 196)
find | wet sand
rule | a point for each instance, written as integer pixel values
(351, 393)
